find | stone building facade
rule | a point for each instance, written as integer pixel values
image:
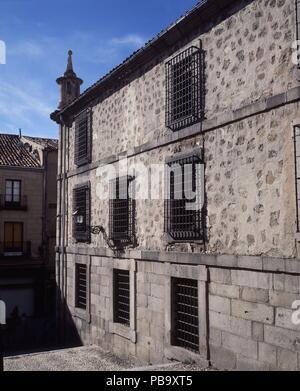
(28, 172)
(242, 271)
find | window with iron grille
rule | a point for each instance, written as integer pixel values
(81, 213)
(121, 211)
(185, 89)
(185, 327)
(83, 125)
(297, 2)
(297, 171)
(122, 297)
(81, 286)
(183, 207)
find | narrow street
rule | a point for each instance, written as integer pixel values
(90, 358)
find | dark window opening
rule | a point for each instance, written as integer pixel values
(12, 192)
(81, 214)
(121, 212)
(81, 286)
(183, 208)
(185, 89)
(122, 297)
(83, 138)
(185, 327)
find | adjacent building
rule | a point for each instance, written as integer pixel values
(211, 106)
(28, 171)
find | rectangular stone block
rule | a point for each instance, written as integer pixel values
(239, 345)
(248, 262)
(250, 279)
(248, 364)
(287, 360)
(220, 275)
(230, 324)
(215, 337)
(292, 284)
(283, 319)
(255, 295)
(284, 338)
(230, 291)
(252, 311)
(222, 359)
(219, 304)
(282, 299)
(258, 331)
(267, 353)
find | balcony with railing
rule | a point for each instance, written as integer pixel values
(9, 204)
(15, 249)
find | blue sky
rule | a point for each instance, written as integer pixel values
(38, 34)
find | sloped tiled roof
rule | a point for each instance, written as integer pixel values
(14, 154)
(49, 143)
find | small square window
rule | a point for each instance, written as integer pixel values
(185, 327)
(122, 297)
(81, 286)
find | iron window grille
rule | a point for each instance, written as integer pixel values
(122, 297)
(185, 89)
(81, 286)
(81, 213)
(297, 171)
(121, 212)
(185, 328)
(297, 4)
(83, 131)
(184, 214)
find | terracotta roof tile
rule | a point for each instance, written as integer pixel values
(14, 154)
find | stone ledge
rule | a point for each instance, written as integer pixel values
(246, 262)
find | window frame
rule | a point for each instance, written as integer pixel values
(116, 296)
(82, 236)
(84, 116)
(12, 202)
(183, 236)
(128, 238)
(178, 88)
(77, 291)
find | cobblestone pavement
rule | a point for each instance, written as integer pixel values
(89, 358)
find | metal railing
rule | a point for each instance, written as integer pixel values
(7, 204)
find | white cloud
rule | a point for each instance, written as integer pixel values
(132, 40)
(27, 48)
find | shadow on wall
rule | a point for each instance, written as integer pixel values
(25, 335)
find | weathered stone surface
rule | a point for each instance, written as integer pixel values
(219, 304)
(253, 311)
(229, 291)
(230, 324)
(239, 345)
(250, 279)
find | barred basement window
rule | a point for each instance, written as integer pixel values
(185, 327)
(184, 200)
(298, 26)
(81, 286)
(81, 213)
(121, 211)
(122, 297)
(83, 125)
(297, 171)
(185, 89)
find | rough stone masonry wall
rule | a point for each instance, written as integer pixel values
(248, 57)
(250, 189)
